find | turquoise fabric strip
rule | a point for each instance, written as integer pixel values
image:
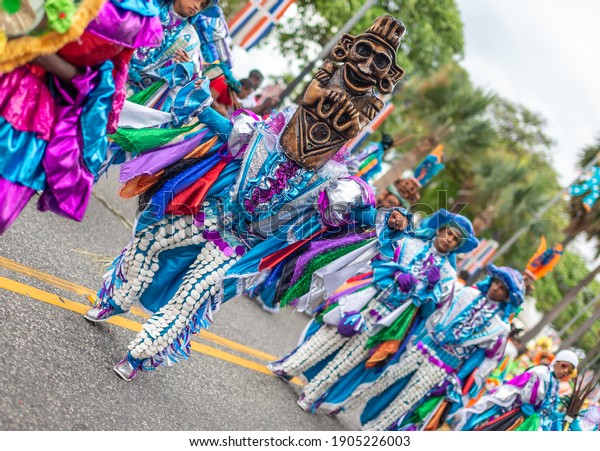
(21, 157)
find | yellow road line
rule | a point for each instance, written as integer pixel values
(81, 290)
(53, 299)
(52, 280)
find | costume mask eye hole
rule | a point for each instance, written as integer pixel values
(363, 49)
(381, 61)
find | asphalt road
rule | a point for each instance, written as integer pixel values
(57, 368)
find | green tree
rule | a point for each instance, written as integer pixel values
(434, 34)
(444, 108)
(231, 7)
(581, 222)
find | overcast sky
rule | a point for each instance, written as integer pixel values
(544, 54)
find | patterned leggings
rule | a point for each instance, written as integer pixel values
(426, 377)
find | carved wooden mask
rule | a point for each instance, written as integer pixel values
(341, 99)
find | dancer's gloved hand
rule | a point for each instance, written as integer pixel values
(406, 282)
(433, 276)
(352, 323)
(397, 221)
(441, 390)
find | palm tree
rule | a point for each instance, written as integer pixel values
(445, 108)
(581, 220)
(580, 223)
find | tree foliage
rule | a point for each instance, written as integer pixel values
(498, 170)
(433, 38)
(230, 7)
(570, 270)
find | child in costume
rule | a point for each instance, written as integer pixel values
(157, 75)
(242, 197)
(62, 86)
(529, 401)
(213, 32)
(411, 276)
(467, 333)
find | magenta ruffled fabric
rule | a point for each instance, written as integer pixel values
(69, 182)
(126, 28)
(26, 102)
(14, 198)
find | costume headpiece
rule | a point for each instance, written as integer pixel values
(544, 342)
(543, 260)
(443, 218)
(566, 356)
(512, 280)
(43, 27)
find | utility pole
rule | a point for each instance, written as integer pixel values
(579, 314)
(326, 50)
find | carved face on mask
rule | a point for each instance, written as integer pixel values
(368, 64)
(341, 100)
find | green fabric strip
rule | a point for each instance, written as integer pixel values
(301, 287)
(531, 423)
(141, 140)
(142, 97)
(397, 331)
(423, 411)
(367, 161)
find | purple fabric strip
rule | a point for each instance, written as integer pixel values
(276, 123)
(152, 162)
(13, 198)
(323, 203)
(69, 183)
(534, 392)
(320, 246)
(126, 28)
(520, 381)
(491, 352)
(236, 113)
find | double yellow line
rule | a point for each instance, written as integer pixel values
(58, 301)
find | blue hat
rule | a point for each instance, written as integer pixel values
(512, 280)
(443, 218)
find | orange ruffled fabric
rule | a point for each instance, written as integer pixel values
(20, 51)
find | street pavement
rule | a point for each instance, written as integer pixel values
(57, 369)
